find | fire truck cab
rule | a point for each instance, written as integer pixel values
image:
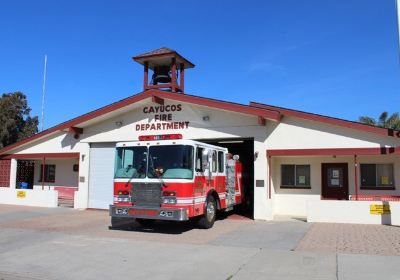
(162, 177)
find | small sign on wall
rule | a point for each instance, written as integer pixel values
(260, 183)
(21, 194)
(377, 209)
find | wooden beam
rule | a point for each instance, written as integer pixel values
(173, 72)
(182, 77)
(158, 100)
(76, 131)
(261, 121)
(146, 76)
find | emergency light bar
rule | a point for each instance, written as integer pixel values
(160, 137)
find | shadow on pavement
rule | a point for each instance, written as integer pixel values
(164, 227)
(172, 227)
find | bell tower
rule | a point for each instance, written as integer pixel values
(167, 67)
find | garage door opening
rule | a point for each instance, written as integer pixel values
(244, 147)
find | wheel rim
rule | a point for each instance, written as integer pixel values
(210, 211)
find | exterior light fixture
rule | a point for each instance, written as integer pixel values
(206, 118)
(255, 156)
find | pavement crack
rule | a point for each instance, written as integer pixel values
(244, 264)
(337, 267)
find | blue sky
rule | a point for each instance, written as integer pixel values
(337, 58)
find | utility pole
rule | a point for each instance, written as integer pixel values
(44, 90)
(398, 21)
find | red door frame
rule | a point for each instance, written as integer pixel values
(329, 193)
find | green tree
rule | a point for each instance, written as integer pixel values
(384, 120)
(15, 120)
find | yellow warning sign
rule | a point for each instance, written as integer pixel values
(21, 194)
(378, 209)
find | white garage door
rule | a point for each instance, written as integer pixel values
(101, 175)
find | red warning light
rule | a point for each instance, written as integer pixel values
(160, 137)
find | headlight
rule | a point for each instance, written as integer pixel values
(169, 200)
(122, 199)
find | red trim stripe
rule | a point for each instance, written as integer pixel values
(334, 151)
(329, 120)
(41, 156)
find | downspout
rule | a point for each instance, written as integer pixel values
(269, 177)
(43, 168)
(355, 177)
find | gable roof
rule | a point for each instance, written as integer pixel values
(260, 110)
(329, 120)
(162, 52)
(159, 51)
(160, 95)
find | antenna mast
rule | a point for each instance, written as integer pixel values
(398, 19)
(44, 89)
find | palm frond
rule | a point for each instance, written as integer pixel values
(367, 120)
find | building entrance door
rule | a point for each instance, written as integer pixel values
(335, 181)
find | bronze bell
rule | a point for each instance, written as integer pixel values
(161, 75)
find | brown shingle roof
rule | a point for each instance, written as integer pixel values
(153, 55)
(159, 51)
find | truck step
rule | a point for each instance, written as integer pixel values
(230, 208)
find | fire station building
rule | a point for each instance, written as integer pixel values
(294, 163)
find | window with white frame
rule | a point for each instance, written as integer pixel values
(295, 176)
(380, 176)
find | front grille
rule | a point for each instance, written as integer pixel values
(146, 194)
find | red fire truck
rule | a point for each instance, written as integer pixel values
(162, 177)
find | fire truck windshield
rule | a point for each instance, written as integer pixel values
(170, 162)
(131, 162)
(165, 162)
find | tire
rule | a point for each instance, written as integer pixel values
(207, 220)
(145, 222)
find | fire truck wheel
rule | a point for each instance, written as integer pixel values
(208, 219)
(145, 222)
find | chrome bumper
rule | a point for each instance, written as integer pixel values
(169, 214)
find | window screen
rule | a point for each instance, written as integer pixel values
(377, 175)
(384, 175)
(287, 175)
(302, 175)
(295, 175)
(49, 173)
(368, 175)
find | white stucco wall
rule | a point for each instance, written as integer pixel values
(354, 212)
(296, 133)
(222, 124)
(60, 142)
(294, 201)
(40, 198)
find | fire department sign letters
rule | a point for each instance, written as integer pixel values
(163, 118)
